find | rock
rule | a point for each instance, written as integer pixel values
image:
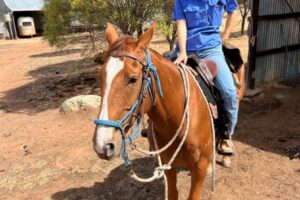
(250, 93)
(79, 103)
(279, 96)
(26, 150)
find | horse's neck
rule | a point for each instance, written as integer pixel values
(168, 110)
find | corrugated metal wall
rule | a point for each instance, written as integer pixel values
(25, 5)
(277, 33)
(3, 10)
(276, 53)
(277, 67)
(275, 7)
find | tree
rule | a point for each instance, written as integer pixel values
(166, 23)
(58, 20)
(89, 14)
(64, 17)
(131, 16)
(244, 11)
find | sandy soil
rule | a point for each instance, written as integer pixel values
(46, 155)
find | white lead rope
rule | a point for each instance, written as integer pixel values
(159, 171)
(159, 161)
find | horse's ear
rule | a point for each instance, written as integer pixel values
(111, 33)
(145, 39)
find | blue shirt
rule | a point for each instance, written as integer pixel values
(203, 20)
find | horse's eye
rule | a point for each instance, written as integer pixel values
(132, 80)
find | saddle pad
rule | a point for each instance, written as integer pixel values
(206, 90)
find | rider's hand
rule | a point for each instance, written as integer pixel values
(182, 58)
(225, 36)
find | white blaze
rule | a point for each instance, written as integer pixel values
(104, 134)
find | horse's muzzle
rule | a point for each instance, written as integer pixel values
(107, 152)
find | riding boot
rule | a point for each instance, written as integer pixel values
(227, 145)
(228, 149)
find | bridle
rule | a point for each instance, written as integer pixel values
(135, 114)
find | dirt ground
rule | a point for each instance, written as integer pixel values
(49, 156)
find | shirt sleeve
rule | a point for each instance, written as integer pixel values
(178, 11)
(230, 6)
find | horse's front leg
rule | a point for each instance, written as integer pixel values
(198, 174)
(172, 189)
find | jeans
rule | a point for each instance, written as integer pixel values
(224, 83)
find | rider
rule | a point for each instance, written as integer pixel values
(198, 23)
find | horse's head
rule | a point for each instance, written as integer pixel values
(121, 82)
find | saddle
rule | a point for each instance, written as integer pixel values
(206, 70)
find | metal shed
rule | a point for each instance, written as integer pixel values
(274, 50)
(16, 9)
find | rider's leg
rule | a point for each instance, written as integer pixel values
(224, 83)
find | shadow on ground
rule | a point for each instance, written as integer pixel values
(51, 85)
(270, 122)
(63, 68)
(57, 53)
(119, 186)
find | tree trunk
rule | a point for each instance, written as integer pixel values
(92, 39)
(169, 42)
(139, 30)
(173, 39)
(243, 24)
(244, 14)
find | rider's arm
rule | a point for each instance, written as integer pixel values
(181, 34)
(228, 26)
(231, 6)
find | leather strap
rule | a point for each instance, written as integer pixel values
(120, 53)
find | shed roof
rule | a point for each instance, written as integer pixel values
(24, 5)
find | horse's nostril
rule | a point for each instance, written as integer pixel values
(110, 149)
(110, 146)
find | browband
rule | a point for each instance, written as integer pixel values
(120, 53)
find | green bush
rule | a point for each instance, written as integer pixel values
(63, 18)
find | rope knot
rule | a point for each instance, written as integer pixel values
(164, 167)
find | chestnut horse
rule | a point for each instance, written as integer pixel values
(123, 92)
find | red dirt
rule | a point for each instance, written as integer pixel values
(46, 155)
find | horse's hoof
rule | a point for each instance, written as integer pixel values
(226, 161)
(209, 169)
